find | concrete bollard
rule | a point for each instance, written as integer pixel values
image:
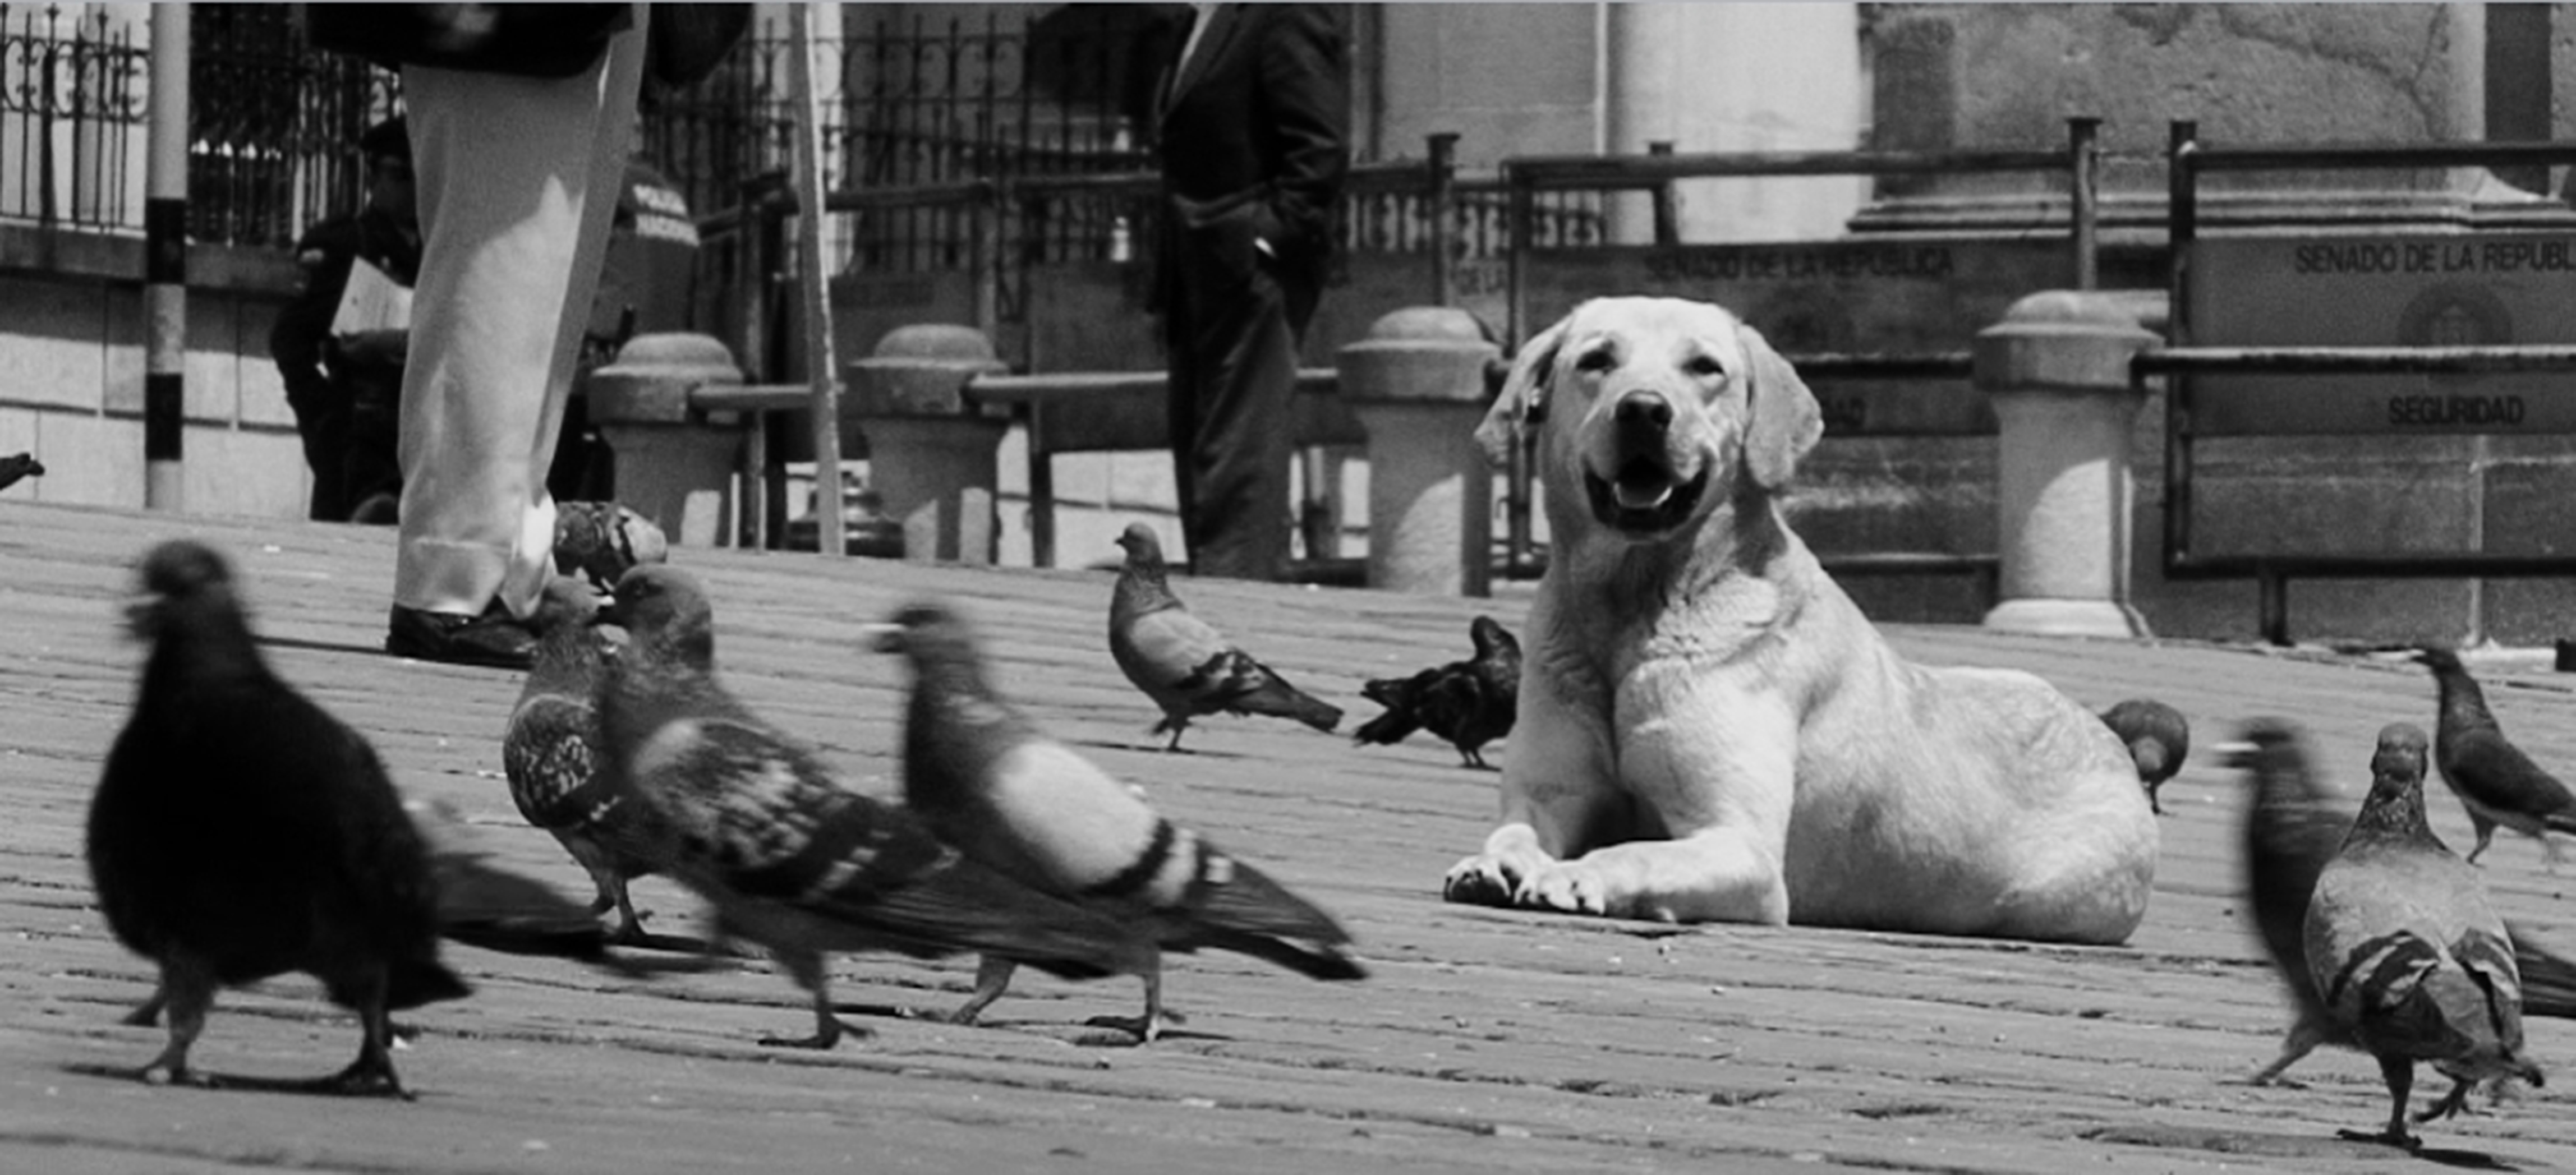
(671, 466)
(1417, 384)
(932, 456)
(2057, 370)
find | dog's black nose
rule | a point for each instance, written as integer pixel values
(1645, 408)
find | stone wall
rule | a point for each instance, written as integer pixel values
(71, 376)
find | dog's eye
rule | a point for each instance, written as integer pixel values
(1703, 367)
(1595, 361)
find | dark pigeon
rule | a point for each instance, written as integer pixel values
(240, 832)
(2495, 781)
(757, 824)
(1469, 703)
(1186, 667)
(18, 467)
(550, 750)
(2158, 738)
(1031, 808)
(600, 540)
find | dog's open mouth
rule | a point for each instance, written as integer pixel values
(1644, 498)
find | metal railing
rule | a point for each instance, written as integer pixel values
(2179, 362)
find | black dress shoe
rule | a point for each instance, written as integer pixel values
(493, 638)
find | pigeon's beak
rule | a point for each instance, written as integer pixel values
(884, 637)
(2238, 754)
(142, 611)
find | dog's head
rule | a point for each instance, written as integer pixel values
(1651, 410)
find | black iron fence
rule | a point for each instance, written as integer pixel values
(914, 103)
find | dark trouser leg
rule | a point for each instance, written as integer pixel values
(1234, 367)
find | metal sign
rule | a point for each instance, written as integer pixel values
(2449, 290)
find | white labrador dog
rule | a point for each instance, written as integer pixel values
(1710, 730)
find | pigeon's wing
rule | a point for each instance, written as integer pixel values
(1178, 651)
(759, 827)
(2487, 768)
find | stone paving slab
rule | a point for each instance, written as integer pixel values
(1486, 1040)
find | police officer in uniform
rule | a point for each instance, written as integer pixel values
(346, 389)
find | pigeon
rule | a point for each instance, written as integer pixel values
(757, 824)
(485, 904)
(241, 832)
(1030, 807)
(601, 540)
(1184, 665)
(2294, 821)
(2158, 738)
(2411, 960)
(2495, 781)
(1470, 703)
(18, 467)
(550, 751)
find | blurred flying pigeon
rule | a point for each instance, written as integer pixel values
(2158, 738)
(759, 825)
(2413, 963)
(550, 751)
(1470, 703)
(1180, 662)
(2294, 821)
(600, 540)
(240, 832)
(2495, 781)
(1029, 807)
(18, 467)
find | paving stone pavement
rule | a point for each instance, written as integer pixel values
(1485, 1041)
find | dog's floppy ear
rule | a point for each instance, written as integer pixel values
(1785, 420)
(1523, 402)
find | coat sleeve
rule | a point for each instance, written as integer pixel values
(302, 332)
(1305, 86)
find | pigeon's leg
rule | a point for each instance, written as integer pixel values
(2452, 1103)
(148, 1013)
(1147, 1028)
(807, 969)
(372, 1074)
(2155, 803)
(1177, 726)
(187, 993)
(992, 977)
(2400, 1075)
(2486, 832)
(2304, 1037)
(630, 925)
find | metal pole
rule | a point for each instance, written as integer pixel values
(1668, 213)
(1444, 182)
(2084, 157)
(165, 262)
(822, 370)
(2181, 211)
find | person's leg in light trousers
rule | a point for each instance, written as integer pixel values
(517, 180)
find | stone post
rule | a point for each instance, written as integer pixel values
(2057, 370)
(932, 455)
(673, 466)
(1417, 384)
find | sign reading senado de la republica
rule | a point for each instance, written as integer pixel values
(2430, 290)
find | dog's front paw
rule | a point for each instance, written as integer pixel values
(1567, 887)
(1481, 880)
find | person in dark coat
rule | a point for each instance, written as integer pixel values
(1254, 142)
(346, 390)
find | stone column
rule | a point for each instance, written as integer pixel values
(1417, 384)
(674, 466)
(932, 454)
(2057, 369)
(2268, 73)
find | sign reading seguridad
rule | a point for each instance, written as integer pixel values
(2432, 290)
